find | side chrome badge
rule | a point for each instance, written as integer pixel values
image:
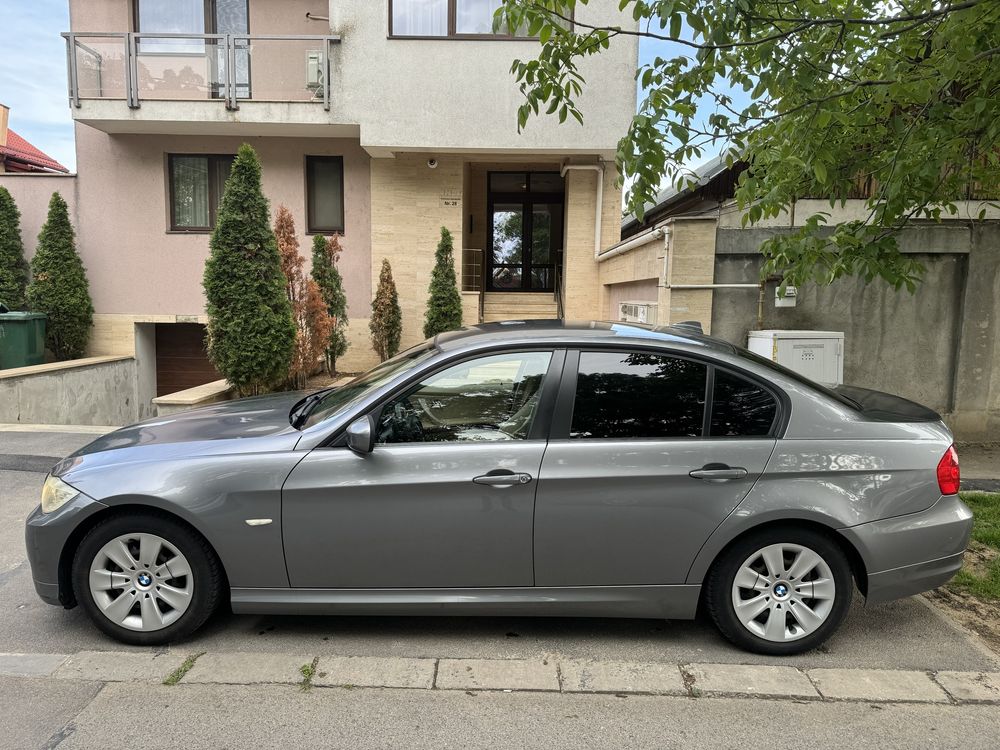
(258, 521)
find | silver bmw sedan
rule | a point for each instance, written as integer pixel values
(542, 468)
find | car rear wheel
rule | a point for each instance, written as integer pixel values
(146, 579)
(780, 591)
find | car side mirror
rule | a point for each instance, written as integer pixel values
(361, 435)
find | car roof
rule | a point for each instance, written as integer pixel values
(571, 333)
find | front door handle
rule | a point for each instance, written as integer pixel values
(718, 473)
(504, 479)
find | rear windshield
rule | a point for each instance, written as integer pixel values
(798, 378)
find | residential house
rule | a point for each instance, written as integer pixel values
(691, 258)
(382, 120)
(17, 155)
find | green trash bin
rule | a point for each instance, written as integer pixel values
(22, 339)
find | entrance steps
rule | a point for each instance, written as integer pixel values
(519, 306)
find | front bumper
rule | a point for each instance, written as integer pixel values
(913, 553)
(45, 537)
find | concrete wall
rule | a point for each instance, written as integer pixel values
(459, 95)
(99, 392)
(939, 346)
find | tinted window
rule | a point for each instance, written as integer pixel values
(197, 184)
(490, 398)
(638, 395)
(325, 193)
(740, 408)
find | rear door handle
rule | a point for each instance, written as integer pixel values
(507, 479)
(718, 473)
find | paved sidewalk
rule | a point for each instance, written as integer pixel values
(556, 675)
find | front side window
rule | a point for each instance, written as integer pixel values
(446, 18)
(740, 408)
(196, 185)
(629, 395)
(485, 399)
(325, 194)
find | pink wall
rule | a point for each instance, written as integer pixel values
(136, 266)
(32, 192)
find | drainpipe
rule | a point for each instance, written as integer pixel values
(632, 243)
(599, 168)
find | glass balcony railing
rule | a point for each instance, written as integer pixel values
(137, 67)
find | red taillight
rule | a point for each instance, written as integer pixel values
(947, 472)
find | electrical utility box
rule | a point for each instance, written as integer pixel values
(819, 355)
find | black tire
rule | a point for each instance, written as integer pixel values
(206, 570)
(721, 577)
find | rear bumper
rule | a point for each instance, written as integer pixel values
(913, 553)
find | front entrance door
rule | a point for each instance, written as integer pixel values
(525, 231)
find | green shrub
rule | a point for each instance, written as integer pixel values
(251, 331)
(444, 306)
(325, 255)
(13, 268)
(59, 286)
(386, 324)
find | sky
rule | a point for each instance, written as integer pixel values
(33, 75)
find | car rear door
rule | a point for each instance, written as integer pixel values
(638, 472)
(445, 499)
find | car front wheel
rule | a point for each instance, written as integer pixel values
(780, 591)
(146, 579)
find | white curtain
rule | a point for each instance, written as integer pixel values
(420, 17)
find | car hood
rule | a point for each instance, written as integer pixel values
(256, 417)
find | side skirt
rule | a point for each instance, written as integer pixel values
(678, 602)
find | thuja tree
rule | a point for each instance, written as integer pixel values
(59, 285)
(313, 323)
(386, 324)
(818, 97)
(13, 268)
(444, 306)
(325, 256)
(251, 331)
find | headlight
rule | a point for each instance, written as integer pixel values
(55, 494)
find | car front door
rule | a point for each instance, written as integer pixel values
(446, 497)
(638, 472)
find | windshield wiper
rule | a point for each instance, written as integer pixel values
(300, 412)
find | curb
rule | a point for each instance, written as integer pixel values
(569, 676)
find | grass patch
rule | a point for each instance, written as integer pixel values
(980, 575)
(178, 674)
(308, 671)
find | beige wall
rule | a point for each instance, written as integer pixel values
(136, 266)
(645, 290)
(584, 296)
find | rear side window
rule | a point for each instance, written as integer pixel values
(740, 408)
(638, 395)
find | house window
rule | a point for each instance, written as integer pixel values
(197, 182)
(459, 19)
(325, 194)
(187, 17)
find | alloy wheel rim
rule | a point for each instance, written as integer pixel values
(141, 582)
(783, 592)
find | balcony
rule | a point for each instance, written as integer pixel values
(234, 84)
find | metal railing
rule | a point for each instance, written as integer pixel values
(135, 66)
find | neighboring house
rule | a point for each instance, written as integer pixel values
(691, 258)
(384, 123)
(17, 155)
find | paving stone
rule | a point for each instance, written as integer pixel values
(30, 665)
(739, 679)
(375, 671)
(971, 686)
(118, 666)
(248, 668)
(877, 685)
(497, 674)
(621, 677)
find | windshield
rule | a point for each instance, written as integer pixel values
(333, 401)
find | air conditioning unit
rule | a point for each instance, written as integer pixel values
(315, 69)
(637, 312)
(819, 355)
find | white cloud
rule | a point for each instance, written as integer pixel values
(33, 75)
